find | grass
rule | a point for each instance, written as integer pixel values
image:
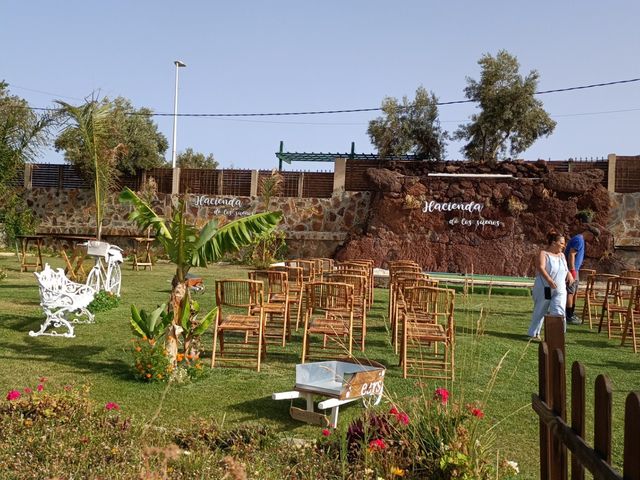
(490, 333)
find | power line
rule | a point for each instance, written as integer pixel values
(356, 110)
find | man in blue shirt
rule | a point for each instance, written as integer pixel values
(575, 255)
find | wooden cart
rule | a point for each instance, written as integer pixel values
(342, 381)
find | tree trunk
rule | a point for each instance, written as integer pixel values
(175, 330)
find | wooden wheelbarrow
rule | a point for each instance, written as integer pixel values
(342, 381)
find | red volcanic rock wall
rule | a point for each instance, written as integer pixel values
(477, 225)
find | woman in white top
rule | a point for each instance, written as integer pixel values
(550, 286)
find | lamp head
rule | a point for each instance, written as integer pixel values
(178, 63)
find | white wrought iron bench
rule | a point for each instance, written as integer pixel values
(60, 299)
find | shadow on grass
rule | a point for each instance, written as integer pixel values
(76, 356)
(509, 336)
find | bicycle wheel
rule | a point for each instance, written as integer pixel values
(115, 279)
(93, 279)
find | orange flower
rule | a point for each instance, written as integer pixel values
(180, 357)
(148, 375)
(138, 349)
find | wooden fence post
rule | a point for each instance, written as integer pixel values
(543, 393)
(578, 386)
(301, 185)
(602, 406)
(631, 467)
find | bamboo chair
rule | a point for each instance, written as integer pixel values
(240, 322)
(308, 268)
(632, 318)
(360, 285)
(352, 268)
(329, 314)
(615, 304)
(401, 281)
(368, 264)
(583, 274)
(428, 333)
(296, 289)
(630, 274)
(323, 265)
(276, 303)
(396, 269)
(595, 295)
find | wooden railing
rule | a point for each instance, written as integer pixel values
(556, 436)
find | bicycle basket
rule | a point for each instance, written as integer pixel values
(97, 249)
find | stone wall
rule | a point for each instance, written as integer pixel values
(312, 226)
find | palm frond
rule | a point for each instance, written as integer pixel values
(143, 215)
(234, 235)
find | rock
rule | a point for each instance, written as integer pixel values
(385, 180)
(569, 182)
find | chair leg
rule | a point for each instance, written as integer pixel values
(215, 344)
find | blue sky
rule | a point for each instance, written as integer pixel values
(303, 55)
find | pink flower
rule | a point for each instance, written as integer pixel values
(394, 411)
(40, 387)
(27, 390)
(476, 412)
(112, 406)
(326, 432)
(13, 395)
(442, 395)
(377, 444)
(403, 418)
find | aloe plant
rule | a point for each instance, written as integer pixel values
(151, 325)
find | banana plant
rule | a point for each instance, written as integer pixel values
(151, 325)
(188, 246)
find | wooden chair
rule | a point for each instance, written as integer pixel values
(595, 294)
(615, 305)
(295, 278)
(632, 318)
(428, 333)
(240, 322)
(329, 314)
(322, 266)
(308, 268)
(360, 285)
(276, 303)
(367, 265)
(401, 281)
(583, 275)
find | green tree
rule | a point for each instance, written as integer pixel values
(510, 118)
(89, 126)
(191, 159)
(186, 246)
(23, 133)
(140, 145)
(410, 127)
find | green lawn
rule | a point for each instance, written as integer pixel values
(490, 328)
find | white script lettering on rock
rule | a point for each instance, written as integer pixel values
(433, 206)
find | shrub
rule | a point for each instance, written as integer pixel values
(103, 302)
(150, 361)
(3, 274)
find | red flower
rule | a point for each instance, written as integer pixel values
(403, 418)
(40, 387)
(476, 412)
(442, 395)
(326, 432)
(13, 395)
(43, 379)
(112, 406)
(27, 390)
(394, 411)
(377, 444)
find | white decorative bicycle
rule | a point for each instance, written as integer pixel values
(105, 273)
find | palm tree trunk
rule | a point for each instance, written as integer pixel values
(175, 330)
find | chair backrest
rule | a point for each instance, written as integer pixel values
(239, 293)
(274, 281)
(630, 273)
(295, 276)
(360, 283)
(308, 268)
(436, 302)
(329, 296)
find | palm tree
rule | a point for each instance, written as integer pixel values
(187, 247)
(89, 125)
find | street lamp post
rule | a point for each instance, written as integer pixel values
(175, 182)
